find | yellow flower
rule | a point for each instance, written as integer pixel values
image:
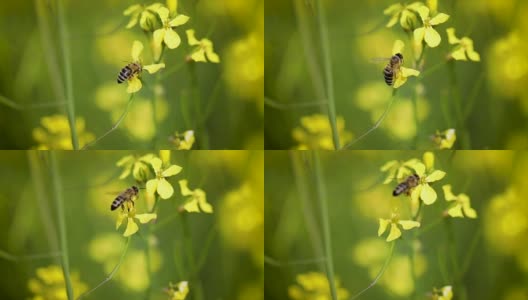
(49, 284)
(403, 73)
(134, 83)
(462, 203)
(427, 175)
(445, 293)
(464, 48)
(196, 201)
(56, 134)
(398, 170)
(427, 32)
(314, 286)
(131, 226)
(178, 291)
(183, 141)
(405, 13)
(444, 139)
(395, 222)
(160, 184)
(146, 15)
(205, 48)
(166, 33)
(315, 132)
(138, 166)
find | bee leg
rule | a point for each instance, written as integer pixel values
(133, 203)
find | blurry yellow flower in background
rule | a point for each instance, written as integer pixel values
(195, 199)
(55, 133)
(445, 293)
(314, 286)
(427, 32)
(445, 139)
(166, 34)
(204, 48)
(139, 166)
(134, 83)
(464, 50)
(178, 291)
(395, 223)
(316, 133)
(404, 13)
(131, 226)
(49, 284)
(403, 73)
(160, 184)
(183, 141)
(145, 15)
(427, 174)
(397, 170)
(462, 204)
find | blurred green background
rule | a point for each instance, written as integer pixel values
(492, 93)
(491, 248)
(223, 107)
(226, 246)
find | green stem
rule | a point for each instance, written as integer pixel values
(457, 103)
(16, 106)
(198, 289)
(327, 65)
(327, 240)
(10, 257)
(416, 119)
(432, 69)
(451, 242)
(380, 273)
(114, 270)
(309, 261)
(59, 201)
(70, 103)
(203, 136)
(282, 106)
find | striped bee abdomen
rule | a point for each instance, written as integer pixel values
(406, 186)
(388, 74)
(118, 201)
(400, 189)
(125, 74)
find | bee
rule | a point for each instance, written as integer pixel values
(128, 71)
(126, 195)
(392, 68)
(407, 185)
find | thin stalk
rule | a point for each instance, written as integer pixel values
(473, 95)
(327, 240)
(309, 261)
(70, 102)
(327, 66)
(469, 255)
(10, 257)
(211, 101)
(17, 106)
(59, 201)
(198, 289)
(114, 270)
(380, 273)
(283, 106)
(203, 136)
(432, 69)
(205, 251)
(457, 103)
(171, 70)
(416, 119)
(451, 242)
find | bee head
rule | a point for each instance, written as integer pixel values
(135, 188)
(399, 55)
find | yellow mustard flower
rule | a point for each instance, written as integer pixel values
(427, 32)
(316, 133)
(403, 73)
(314, 286)
(433, 6)
(178, 291)
(137, 165)
(445, 293)
(55, 133)
(427, 175)
(204, 48)
(395, 222)
(462, 204)
(398, 170)
(406, 14)
(196, 199)
(146, 15)
(49, 284)
(160, 184)
(183, 141)
(464, 50)
(134, 83)
(130, 215)
(445, 139)
(166, 34)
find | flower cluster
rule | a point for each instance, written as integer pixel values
(49, 284)
(178, 291)
(55, 133)
(314, 286)
(315, 132)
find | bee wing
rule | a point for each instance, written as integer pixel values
(377, 60)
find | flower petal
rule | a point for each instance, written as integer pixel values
(120, 217)
(435, 176)
(163, 13)
(137, 48)
(125, 160)
(178, 20)
(171, 171)
(172, 39)
(158, 36)
(125, 173)
(191, 206)
(131, 9)
(165, 189)
(451, 37)
(439, 19)
(432, 37)
(398, 47)
(145, 218)
(415, 194)
(156, 164)
(152, 186)
(409, 224)
(400, 80)
(455, 211)
(419, 168)
(407, 72)
(134, 85)
(191, 39)
(185, 191)
(153, 68)
(199, 56)
(393, 20)
(423, 11)
(448, 194)
(459, 54)
(133, 21)
(427, 194)
(131, 228)
(202, 201)
(395, 233)
(395, 8)
(383, 223)
(429, 159)
(388, 165)
(212, 56)
(419, 34)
